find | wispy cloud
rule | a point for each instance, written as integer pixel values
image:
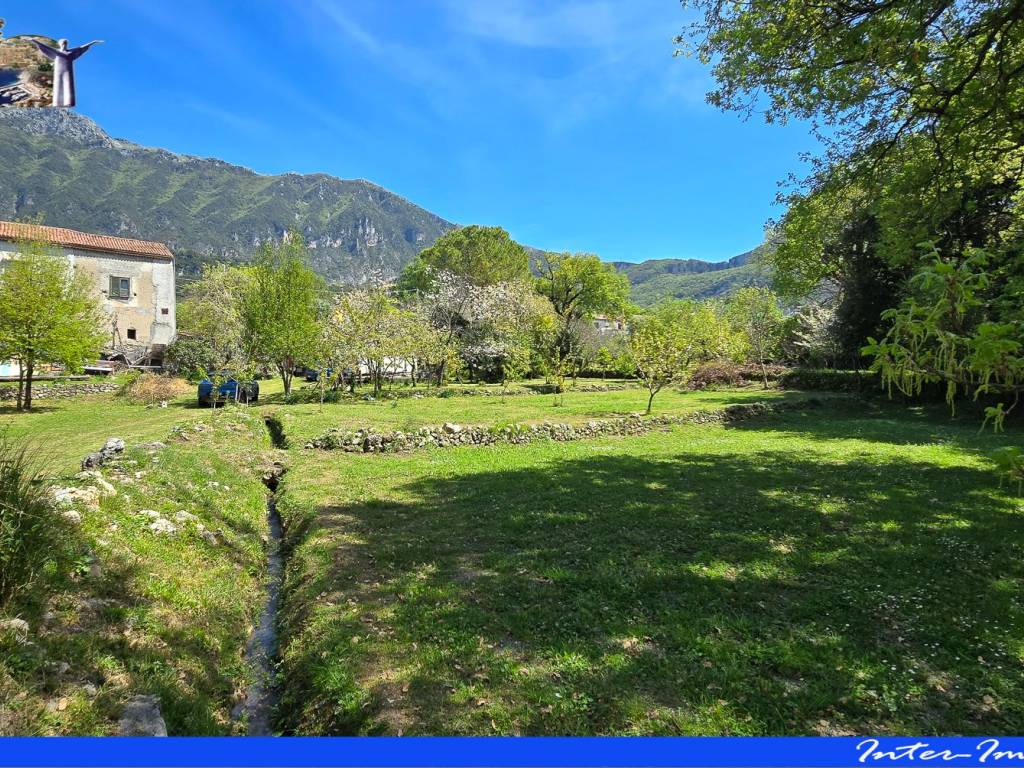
(213, 37)
(351, 28)
(576, 23)
(229, 117)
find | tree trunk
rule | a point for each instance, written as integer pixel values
(27, 402)
(764, 373)
(650, 400)
(286, 376)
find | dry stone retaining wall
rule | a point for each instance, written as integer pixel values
(59, 391)
(450, 435)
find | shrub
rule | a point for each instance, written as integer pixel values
(152, 388)
(829, 380)
(32, 532)
(729, 374)
(191, 357)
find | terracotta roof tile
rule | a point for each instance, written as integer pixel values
(70, 238)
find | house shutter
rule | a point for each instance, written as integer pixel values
(115, 288)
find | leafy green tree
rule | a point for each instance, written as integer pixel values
(434, 350)
(191, 357)
(480, 255)
(670, 341)
(281, 307)
(756, 315)
(944, 332)
(48, 314)
(210, 322)
(917, 105)
(871, 73)
(579, 286)
(604, 361)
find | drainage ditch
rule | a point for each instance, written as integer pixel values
(257, 708)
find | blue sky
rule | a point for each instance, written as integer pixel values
(568, 122)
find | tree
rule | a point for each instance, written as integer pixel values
(945, 332)
(604, 361)
(871, 73)
(48, 314)
(433, 349)
(281, 307)
(485, 324)
(756, 315)
(191, 357)
(480, 255)
(673, 338)
(811, 335)
(579, 286)
(210, 322)
(917, 104)
(375, 332)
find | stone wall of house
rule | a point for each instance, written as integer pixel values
(150, 309)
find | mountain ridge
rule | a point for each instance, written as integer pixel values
(657, 279)
(62, 166)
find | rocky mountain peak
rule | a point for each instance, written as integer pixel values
(65, 123)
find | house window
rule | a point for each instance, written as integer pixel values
(165, 311)
(131, 334)
(120, 288)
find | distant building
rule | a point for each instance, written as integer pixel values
(608, 324)
(134, 280)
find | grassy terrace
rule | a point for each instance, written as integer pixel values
(833, 571)
(847, 568)
(133, 611)
(63, 431)
(303, 422)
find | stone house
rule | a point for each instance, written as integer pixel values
(133, 279)
(604, 324)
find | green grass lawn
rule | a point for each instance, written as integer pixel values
(303, 422)
(832, 571)
(64, 431)
(849, 568)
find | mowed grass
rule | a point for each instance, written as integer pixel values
(63, 431)
(303, 422)
(833, 571)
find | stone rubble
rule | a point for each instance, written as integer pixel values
(163, 525)
(113, 447)
(141, 717)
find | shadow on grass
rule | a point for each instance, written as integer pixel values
(11, 410)
(763, 593)
(876, 419)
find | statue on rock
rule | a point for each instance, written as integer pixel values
(63, 59)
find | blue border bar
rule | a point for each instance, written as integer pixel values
(502, 752)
